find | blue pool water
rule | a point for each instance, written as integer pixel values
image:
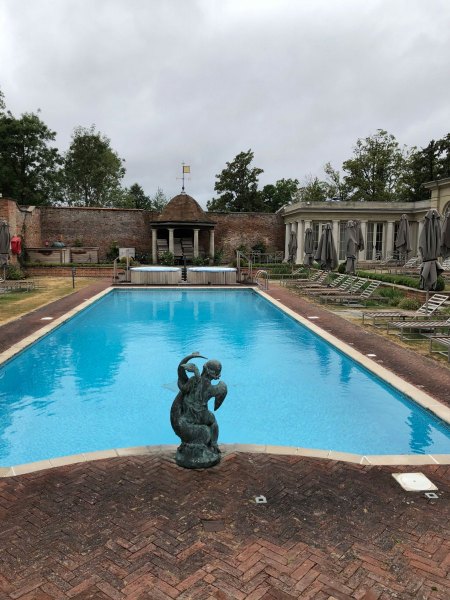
(107, 379)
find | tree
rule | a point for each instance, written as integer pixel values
(158, 201)
(375, 173)
(238, 184)
(337, 188)
(135, 197)
(92, 170)
(28, 164)
(315, 190)
(275, 196)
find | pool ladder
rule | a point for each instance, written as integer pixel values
(262, 279)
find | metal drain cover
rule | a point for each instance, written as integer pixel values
(414, 482)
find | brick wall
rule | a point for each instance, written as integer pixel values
(131, 228)
(247, 229)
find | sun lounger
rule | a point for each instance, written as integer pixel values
(349, 287)
(418, 326)
(442, 340)
(11, 285)
(318, 288)
(434, 303)
(356, 299)
(316, 279)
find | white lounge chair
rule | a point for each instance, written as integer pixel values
(427, 309)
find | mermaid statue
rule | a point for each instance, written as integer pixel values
(189, 416)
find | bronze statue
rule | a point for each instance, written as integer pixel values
(189, 416)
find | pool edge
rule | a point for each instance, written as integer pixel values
(229, 449)
(421, 398)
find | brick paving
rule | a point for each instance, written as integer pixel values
(142, 528)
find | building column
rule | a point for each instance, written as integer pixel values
(362, 253)
(196, 243)
(154, 250)
(287, 235)
(389, 239)
(211, 244)
(171, 246)
(300, 242)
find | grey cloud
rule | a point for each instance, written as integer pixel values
(171, 81)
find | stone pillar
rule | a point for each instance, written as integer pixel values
(154, 249)
(287, 235)
(389, 239)
(362, 253)
(171, 245)
(300, 242)
(196, 243)
(211, 244)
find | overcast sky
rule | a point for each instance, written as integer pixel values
(297, 81)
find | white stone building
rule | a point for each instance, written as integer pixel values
(379, 221)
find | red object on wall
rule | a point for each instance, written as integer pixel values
(16, 245)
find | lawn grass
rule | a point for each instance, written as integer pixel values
(16, 304)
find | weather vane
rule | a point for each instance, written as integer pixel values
(185, 169)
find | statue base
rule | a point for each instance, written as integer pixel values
(197, 456)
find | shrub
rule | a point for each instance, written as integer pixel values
(341, 267)
(167, 258)
(393, 295)
(409, 304)
(113, 252)
(199, 261)
(14, 273)
(440, 285)
(218, 257)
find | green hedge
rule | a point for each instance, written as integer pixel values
(398, 279)
(62, 265)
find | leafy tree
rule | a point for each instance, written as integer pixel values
(375, 172)
(275, 196)
(315, 190)
(28, 164)
(92, 170)
(135, 197)
(337, 187)
(158, 201)
(444, 156)
(238, 184)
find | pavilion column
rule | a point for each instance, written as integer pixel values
(287, 235)
(196, 243)
(154, 250)
(300, 242)
(171, 245)
(389, 239)
(362, 253)
(211, 244)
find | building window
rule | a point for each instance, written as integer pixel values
(374, 241)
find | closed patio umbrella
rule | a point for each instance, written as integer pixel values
(430, 248)
(403, 238)
(445, 239)
(309, 248)
(4, 245)
(326, 253)
(292, 247)
(353, 244)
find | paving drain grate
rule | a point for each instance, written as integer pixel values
(260, 499)
(46, 318)
(414, 482)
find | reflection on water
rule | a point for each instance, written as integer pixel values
(107, 379)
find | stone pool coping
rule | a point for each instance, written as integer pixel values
(424, 400)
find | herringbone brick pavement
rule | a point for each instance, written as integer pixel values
(141, 528)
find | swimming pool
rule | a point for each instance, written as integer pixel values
(107, 378)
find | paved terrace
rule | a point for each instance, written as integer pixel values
(140, 527)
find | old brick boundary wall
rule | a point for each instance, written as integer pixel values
(131, 228)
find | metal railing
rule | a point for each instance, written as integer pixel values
(264, 276)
